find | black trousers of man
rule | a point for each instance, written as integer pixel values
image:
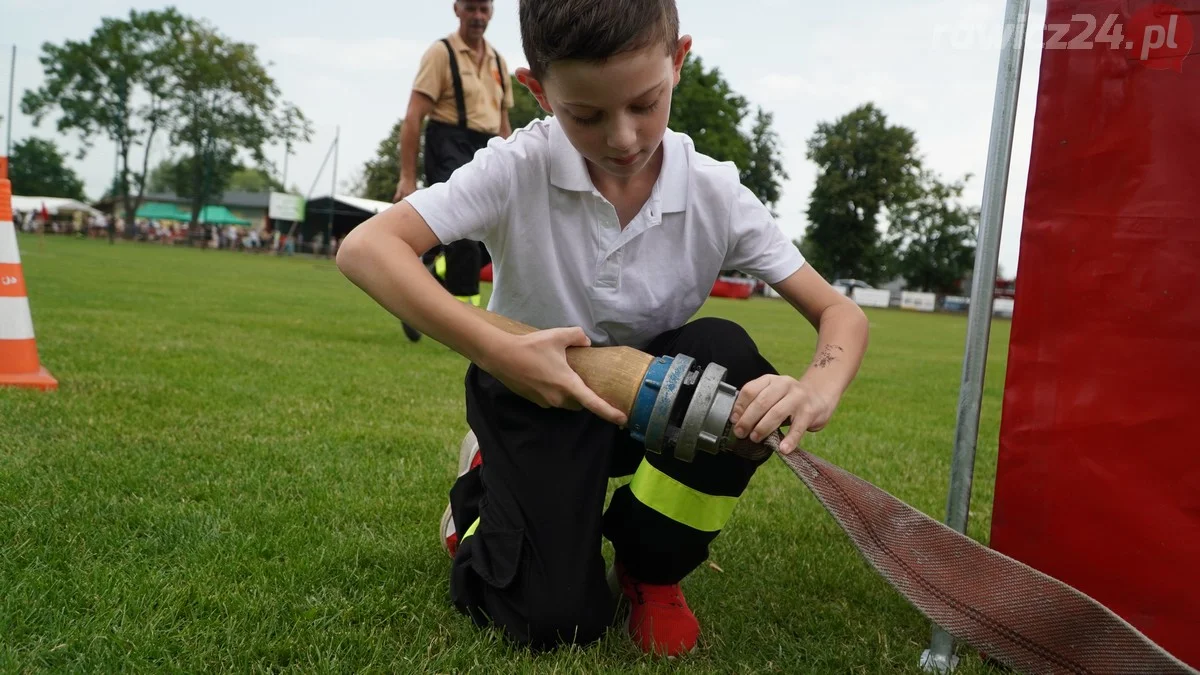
(448, 147)
(533, 565)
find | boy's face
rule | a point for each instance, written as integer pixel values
(614, 113)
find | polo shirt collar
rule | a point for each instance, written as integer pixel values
(460, 45)
(568, 168)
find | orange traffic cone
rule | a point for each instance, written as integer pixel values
(19, 365)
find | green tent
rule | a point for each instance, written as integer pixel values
(163, 211)
(219, 215)
(211, 215)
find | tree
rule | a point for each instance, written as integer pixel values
(251, 179)
(115, 84)
(933, 236)
(291, 127)
(381, 173)
(707, 109)
(764, 172)
(222, 105)
(37, 168)
(865, 165)
(178, 175)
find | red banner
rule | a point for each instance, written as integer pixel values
(1098, 482)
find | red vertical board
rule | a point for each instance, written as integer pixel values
(1098, 482)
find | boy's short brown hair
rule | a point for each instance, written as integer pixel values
(593, 30)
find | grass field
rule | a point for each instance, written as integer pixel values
(245, 463)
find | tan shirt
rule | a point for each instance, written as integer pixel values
(480, 82)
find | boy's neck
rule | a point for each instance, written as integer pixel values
(607, 183)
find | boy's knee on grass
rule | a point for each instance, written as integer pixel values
(554, 625)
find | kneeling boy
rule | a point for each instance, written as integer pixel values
(605, 228)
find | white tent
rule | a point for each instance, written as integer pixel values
(54, 205)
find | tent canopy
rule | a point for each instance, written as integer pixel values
(338, 214)
(219, 215)
(212, 215)
(55, 205)
(162, 211)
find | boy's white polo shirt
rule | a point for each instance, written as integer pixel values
(560, 257)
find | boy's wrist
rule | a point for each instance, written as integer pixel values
(486, 351)
(820, 383)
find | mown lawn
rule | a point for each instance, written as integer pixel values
(245, 463)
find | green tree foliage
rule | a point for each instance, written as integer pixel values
(932, 237)
(706, 108)
(381, 173)
(116, 84)
(865, 165)
(251, 179)
(223, 105)
(764, 173)
(37, 168)
(160, 72)
(224, 171)
(291, 128)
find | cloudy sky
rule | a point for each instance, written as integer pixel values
(929, 64)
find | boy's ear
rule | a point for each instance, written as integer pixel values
(525, 77)
(681, 51)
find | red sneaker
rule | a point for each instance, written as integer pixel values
(469, 457)
(659, 621)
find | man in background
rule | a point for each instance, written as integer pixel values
(462, 90)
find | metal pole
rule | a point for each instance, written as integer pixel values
(12, 78)
(337, 142)
(939, 657)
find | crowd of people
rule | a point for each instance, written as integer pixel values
(267, 239)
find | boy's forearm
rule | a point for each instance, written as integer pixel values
(841, 344)
(390, 272)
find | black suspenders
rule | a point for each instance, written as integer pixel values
(459, 100)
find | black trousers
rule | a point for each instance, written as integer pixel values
(534, 509)
(448, 147)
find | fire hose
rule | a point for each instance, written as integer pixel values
(1001, 607)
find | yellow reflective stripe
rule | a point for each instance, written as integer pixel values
(439, 265)
(679, 502)
(470, 530)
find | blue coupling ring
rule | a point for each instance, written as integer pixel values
(643, 405)
(664, 404)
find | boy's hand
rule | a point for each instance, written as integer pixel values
(535, 367)
(772, 401)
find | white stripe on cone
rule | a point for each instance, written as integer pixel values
(8, 243)
(16, 323)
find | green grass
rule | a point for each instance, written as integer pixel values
(245, 463)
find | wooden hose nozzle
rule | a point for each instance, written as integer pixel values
(616, 374)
